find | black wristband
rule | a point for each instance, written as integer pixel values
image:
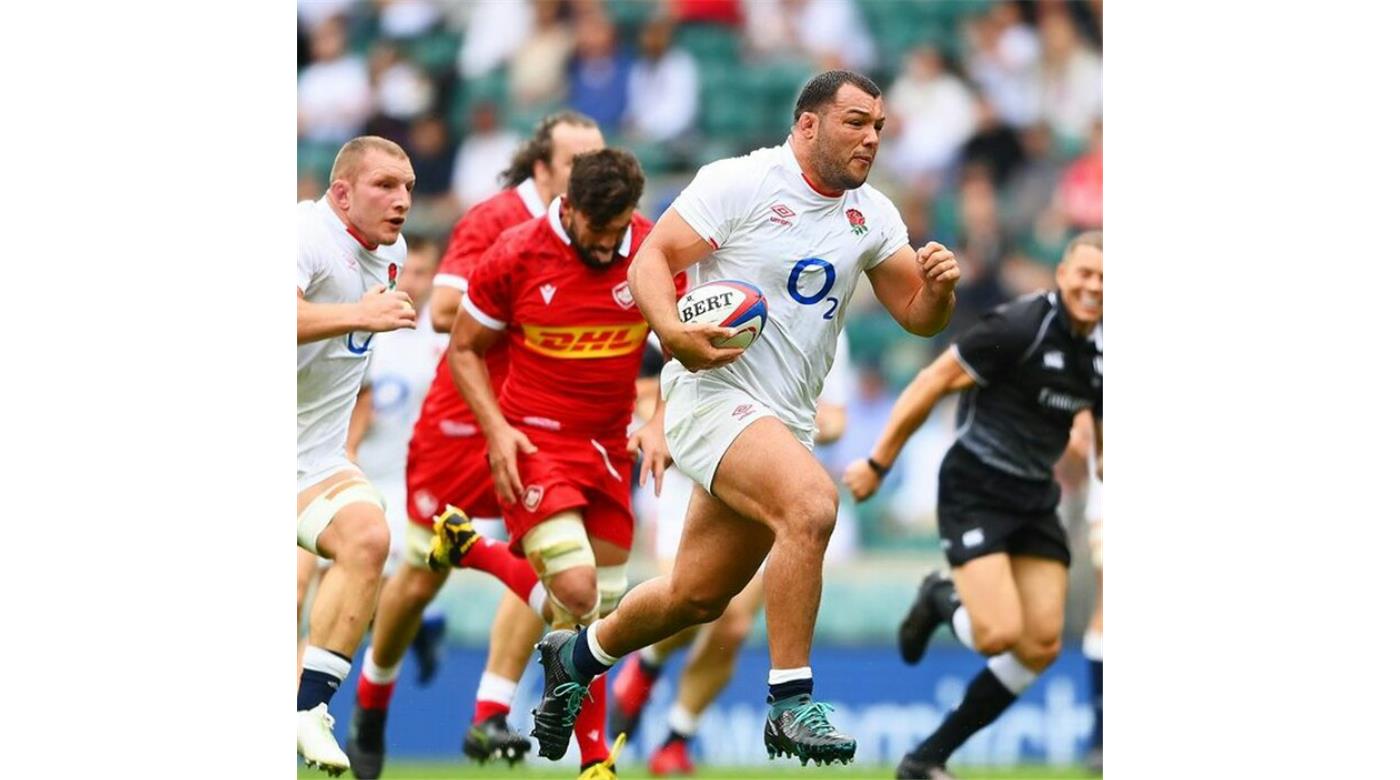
(876, 467)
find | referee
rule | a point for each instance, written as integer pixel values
(1029, 368)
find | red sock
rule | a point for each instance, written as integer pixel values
(496, 559)
(588, 729)
(487, 709)
(372, 695)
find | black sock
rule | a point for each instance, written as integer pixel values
(585, 664)
(986, 698)
(1096, 695)
(317, 687)
(676, 736)
(784, 690)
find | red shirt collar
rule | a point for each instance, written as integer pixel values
(359, 237)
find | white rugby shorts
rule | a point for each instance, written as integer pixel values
(703, 417)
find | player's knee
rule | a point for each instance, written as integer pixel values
(702, 607)
(575, 591)
(995, 637)
(811, 516)
(420, 585)
(366, 544)
(1037, 653)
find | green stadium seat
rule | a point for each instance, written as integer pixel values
(435, 52)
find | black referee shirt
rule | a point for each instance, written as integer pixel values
(1033, 374)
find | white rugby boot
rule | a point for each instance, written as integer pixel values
(316, 741)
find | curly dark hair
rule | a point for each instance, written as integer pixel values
(604, 184)
(540, 147)
(821, 89)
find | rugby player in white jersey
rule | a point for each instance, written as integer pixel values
(800, 223)
(347, 243)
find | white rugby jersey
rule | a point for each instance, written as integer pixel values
(332, 267)
(400, 372)
(804, 250)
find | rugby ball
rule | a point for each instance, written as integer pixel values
(729, 304)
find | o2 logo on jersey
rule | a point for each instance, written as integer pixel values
(809, 266)
(357, 349)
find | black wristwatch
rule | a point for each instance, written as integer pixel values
(875, 466)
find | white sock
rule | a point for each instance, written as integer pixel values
(683, 721)
(597, 649)
(1011, 672)
(1093, 645)
(962, 627)
(319, 659)
(379, 675)
(495, 688)
(779, 676)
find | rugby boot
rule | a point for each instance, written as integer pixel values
(671, 759)
(797, 726)
(316, 741)
(630, 693)
(453, 536)
(930, 608)
(563, 696)
(913, 769)
(492, 739)
(603, 770)
(427, 647)
(365, 748)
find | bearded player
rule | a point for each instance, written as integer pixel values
(447, 465)
(555, 291)
(799, 222)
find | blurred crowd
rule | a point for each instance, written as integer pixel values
(993, 145)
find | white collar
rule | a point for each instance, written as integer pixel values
(624, 247)
(789, 161)
(338, 227)
(530, 195)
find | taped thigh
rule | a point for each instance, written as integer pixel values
(556, 545)
(322, 510)
(612, 585)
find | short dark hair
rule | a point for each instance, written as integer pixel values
(540, 146)
(604, 184)
(821, 89)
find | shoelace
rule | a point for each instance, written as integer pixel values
(576, 694)
(813, 716)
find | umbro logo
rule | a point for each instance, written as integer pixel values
(1055, 359)
(547, 292)
(784, 214)
(743, 410)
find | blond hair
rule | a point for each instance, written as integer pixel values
(347, 160)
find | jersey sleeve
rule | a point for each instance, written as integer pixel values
(893, 236)
(717, 200)
(472, 236)
(996, 343)
(310, 265)
(490, 288)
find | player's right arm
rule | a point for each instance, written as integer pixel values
(943, 376)
(670, 248)
(379, 310)
(480, 324)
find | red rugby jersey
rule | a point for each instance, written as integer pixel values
(443, 407)
(576, 338)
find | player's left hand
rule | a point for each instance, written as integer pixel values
(861, 479)
(938, 268)
(650, 442)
